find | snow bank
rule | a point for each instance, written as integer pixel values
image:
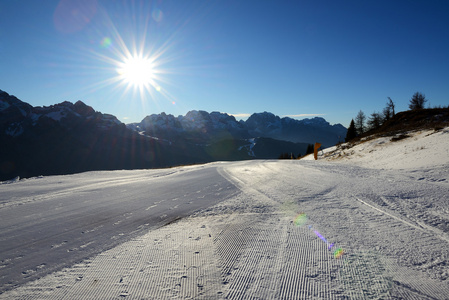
(421, 149)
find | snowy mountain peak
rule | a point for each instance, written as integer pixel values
(10, 105)
(203, 125)
(65, 109)
(195, 119)
(257, 119)
(18, 117)
(83, 109)
(316, 121)
(159, 121)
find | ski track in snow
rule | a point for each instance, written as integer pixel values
(392, 225)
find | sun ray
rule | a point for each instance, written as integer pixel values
(136, 62)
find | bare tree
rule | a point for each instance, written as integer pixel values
(386, 114)
(388, 111)
(390, 106)
(417, 102)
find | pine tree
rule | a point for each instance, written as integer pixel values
(310, 148)
(360, 122)
(417, 102)
(375, 121)
(351, 133)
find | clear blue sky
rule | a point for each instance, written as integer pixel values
(328, 58)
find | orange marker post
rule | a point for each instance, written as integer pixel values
(315, 151)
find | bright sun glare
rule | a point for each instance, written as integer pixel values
(137, 65)
(137, 71)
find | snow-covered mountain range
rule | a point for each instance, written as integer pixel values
(19, 117)
(69, 138)
(203, 126)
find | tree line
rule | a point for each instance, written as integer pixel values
(362, 123)
(290, 155)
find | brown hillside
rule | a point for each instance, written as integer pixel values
(411, 120)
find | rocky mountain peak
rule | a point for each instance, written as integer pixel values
(196, 118)
(262, 118)
(17, 117)
(13, 104)
(316, 121)
(83, 109)
(204, 125)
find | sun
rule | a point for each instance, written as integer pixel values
(133, 66)
(137, 71)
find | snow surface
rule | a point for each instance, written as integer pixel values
(367, 222)
(420, 149)
(56, 115)
(249, 147)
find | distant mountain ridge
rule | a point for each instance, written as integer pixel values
(69, 138)
(17, 116)
(299, 131)
(203, 126)
(199, 126)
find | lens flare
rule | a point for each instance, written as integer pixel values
(72, 16)
(106, 42)
(300, 219)
(320, 236)
(157, 15)
(338, 253)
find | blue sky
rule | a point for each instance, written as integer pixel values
(291, 58)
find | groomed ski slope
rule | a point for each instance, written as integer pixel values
(370, 223)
